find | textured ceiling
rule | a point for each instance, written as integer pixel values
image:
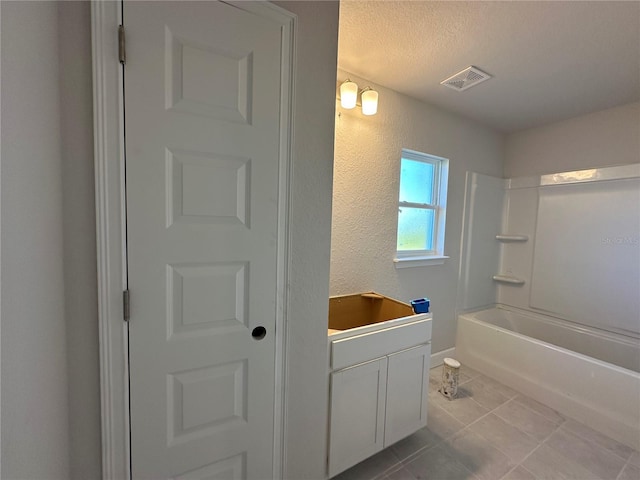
(550, 60)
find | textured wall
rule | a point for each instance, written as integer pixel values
(366, 179)
(600, 139)
(35, 433)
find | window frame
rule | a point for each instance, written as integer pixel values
(436, 256)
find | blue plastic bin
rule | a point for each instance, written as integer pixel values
(420, 305)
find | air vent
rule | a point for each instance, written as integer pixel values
(467, 78)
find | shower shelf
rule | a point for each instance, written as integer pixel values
(508, 279)
(512, 238)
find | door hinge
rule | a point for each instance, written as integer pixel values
(122, 54)
(126, 305)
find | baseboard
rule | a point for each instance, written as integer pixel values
(438, 357)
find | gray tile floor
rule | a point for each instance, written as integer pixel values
(491, 432)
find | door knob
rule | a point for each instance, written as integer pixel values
(259, 333)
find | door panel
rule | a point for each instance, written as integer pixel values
(202, 105)
(407, 390)
(357, 414)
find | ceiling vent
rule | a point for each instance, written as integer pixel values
(467, 78)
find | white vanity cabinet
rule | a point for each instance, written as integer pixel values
(379, 375)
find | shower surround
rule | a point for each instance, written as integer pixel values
(559, 255)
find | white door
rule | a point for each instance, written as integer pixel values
(203, 147)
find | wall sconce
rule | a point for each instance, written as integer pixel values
(349, 97)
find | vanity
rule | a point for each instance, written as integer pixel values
(379, 355)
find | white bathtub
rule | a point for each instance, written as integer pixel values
(585, 374)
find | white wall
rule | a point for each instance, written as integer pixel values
(306, 415)
(366, 177)
(606, 138)
(34, 364)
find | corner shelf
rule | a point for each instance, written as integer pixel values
(508, 279)
(512, 238)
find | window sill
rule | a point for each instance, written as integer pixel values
(407, 262)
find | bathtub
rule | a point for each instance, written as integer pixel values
(583, 373)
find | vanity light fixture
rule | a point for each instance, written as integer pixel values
(349, 97)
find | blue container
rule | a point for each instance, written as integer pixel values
(420, 305)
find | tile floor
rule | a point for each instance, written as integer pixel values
(492, 432)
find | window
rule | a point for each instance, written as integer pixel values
(421, 209)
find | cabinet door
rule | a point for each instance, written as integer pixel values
(357, 414)
(407, 389)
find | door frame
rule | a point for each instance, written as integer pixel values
(108, 118)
